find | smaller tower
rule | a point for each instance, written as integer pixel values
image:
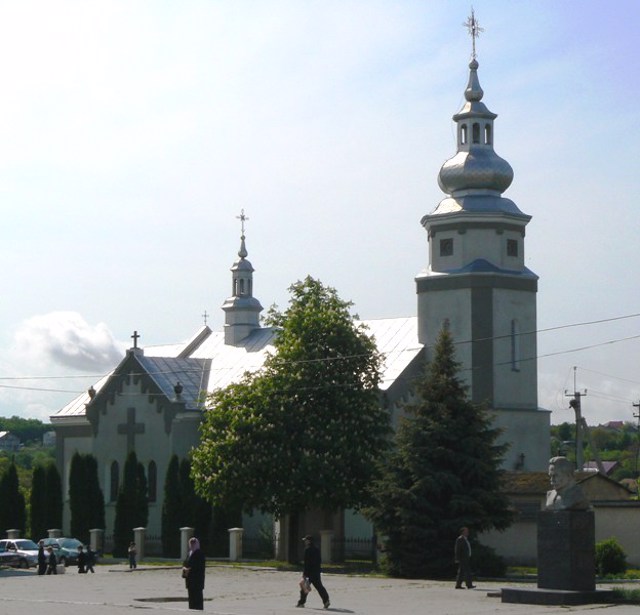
(242, 309)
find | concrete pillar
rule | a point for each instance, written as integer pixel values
(54, 533)
(235, 544)
(13, 534)
(185, 534)
(139, 534)
(326, 539)
(96, 540)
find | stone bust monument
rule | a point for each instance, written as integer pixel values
(565, 494)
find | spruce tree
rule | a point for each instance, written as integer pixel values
(13, 513)
(131, 505)
(53, 490)
(78, 497)
(38, 503)
(95, 497)
(442, 474)
(171, 510)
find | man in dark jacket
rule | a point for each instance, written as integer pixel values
(193, 571)
(462, 553)
(42, 558)
(311, 573)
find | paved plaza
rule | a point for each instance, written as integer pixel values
(254, 591)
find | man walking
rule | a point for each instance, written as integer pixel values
(462, 553)
(311, 573)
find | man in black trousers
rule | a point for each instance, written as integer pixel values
(462, 554)
(311, 573)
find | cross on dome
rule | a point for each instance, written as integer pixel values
(474, 31)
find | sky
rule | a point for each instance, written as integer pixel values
(133, 133)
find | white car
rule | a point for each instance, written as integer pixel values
(26, 550)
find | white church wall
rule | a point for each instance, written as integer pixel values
(528, 433)
(515, 381)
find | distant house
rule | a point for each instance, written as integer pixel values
(527, 492)
(49, 439)
(9, 442)
(608, 466)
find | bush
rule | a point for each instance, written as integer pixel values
(610, 558)
(486, 562)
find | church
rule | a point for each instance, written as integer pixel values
(475, 282)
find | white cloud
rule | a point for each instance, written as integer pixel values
(66, 339)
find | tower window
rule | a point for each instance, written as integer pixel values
(487, 134)
(476, 133)
(446, 247)
(463, 134)
(512, 247)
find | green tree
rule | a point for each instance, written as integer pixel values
(131, 506)
(12, 504)
(53, 489)
(38, 503)
(306, 430)
(78, 499)
(442, 474)
(95, 497)
(171, 510)
(196, 512)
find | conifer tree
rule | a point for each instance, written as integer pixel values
(12, 505)
(53, 490)
(78, 497)
(442, 474)
(131, 505)
(95, 497)
(38, 503)
(171, 510)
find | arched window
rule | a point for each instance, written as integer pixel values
(476, 133)
(115, 481)
(463, 134)
(515, 346)
(152, 481)
(241, 287)
(487, 134)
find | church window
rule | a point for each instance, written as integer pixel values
(115, 482)
(476, 133)
(515, 346)
(152, 481)
(487, 134)
(463, 134)
(446, 247)
(241, 287)
(512, 247)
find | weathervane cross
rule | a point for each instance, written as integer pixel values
(242, 219)
(474, 31)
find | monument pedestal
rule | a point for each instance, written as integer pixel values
(566, 561)
(566, 550)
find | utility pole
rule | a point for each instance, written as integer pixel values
(575, 403)
(637, 416)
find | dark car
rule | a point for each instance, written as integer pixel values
(18, 552)
(65, 549)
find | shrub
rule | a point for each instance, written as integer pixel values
(487, 563)
(610, 558)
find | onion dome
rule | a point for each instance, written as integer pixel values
(476, 168)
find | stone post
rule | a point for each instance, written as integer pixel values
(138, 537)
(96, 540)
(185, 534)
(13, 534)
(326, 539)
(235, 544)
(54, 533)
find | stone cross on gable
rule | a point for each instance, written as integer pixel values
(135, 337)
(131, 428)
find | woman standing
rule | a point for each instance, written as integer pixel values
(193, 572)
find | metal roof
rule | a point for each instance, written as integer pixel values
(206, 363)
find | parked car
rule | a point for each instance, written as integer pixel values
(19, 552)
(65, 549)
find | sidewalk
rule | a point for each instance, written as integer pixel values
(254, 591)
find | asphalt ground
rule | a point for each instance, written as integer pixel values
(257, 591)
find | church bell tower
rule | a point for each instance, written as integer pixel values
(477, 283)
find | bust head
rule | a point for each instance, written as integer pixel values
(560, 473)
